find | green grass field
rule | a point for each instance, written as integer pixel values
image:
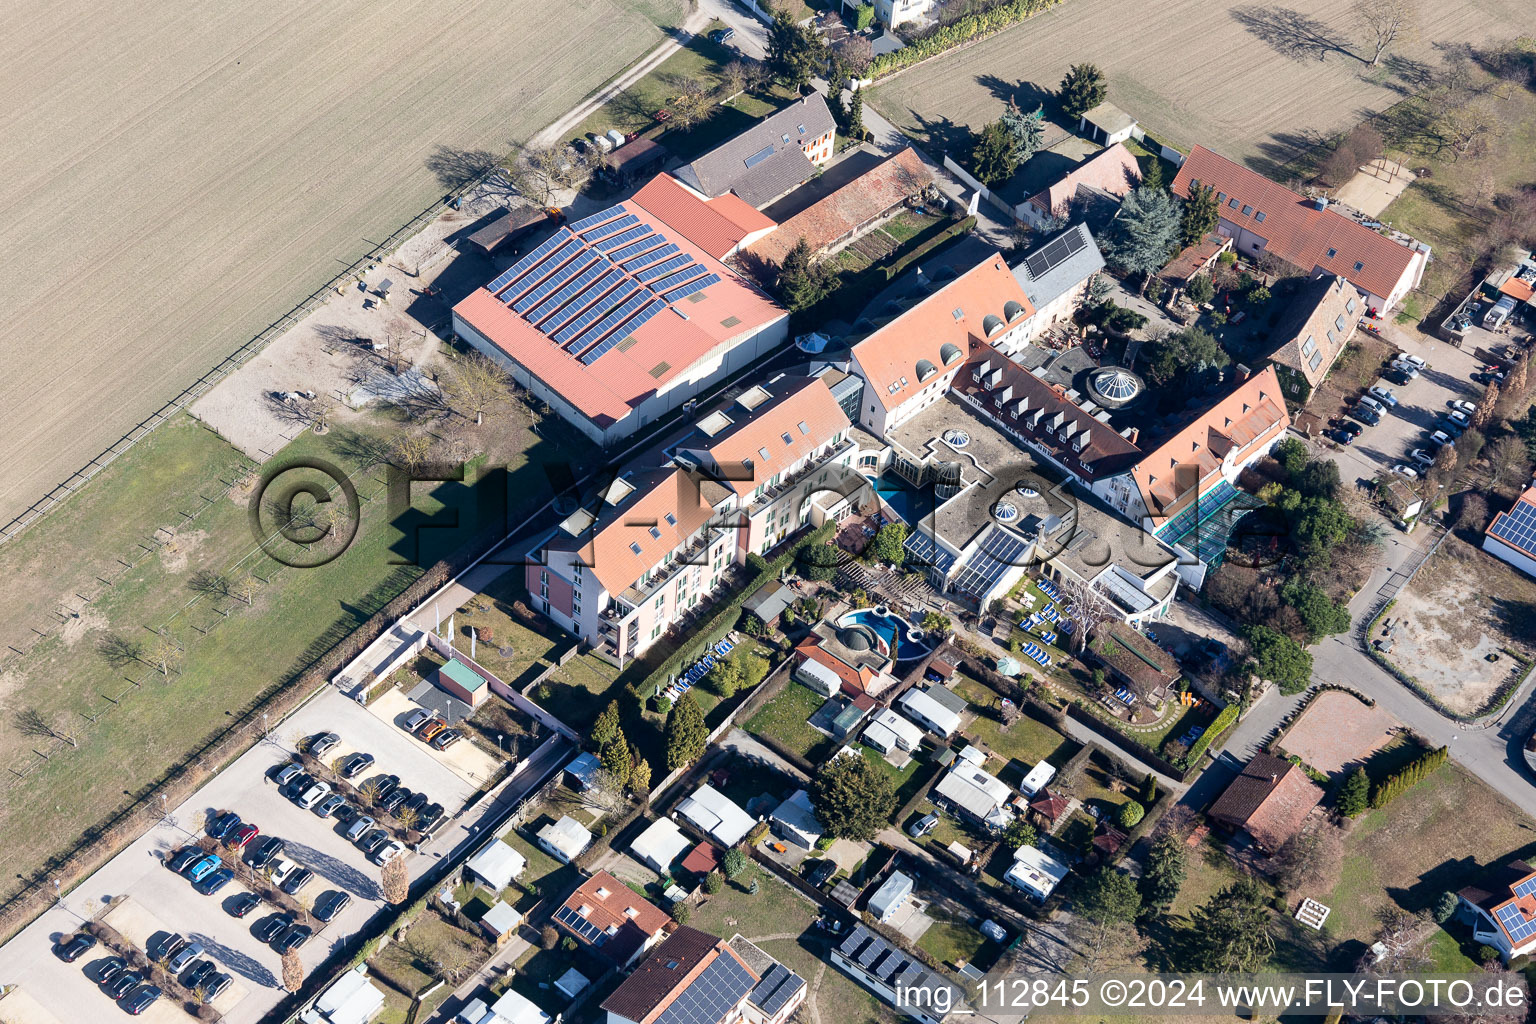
(786, 720)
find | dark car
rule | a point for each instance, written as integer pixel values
(214, 882)
(1370, 417)
(223, 825)
(430, 815)
(345, 813)
(168, 946)
(823, 872)
(76, 947)
(392, 802)
(374, 840)
(417, 802)
(297, 785)
(1351, 427)
(1397, 376)
(297, 880)
(265, 850)
(243, 904)
(185, 858)
(124, 983)
(198, 973)
(214, 985)
(356, 764)
(1342, 436)
(293, 938)
(272, 927)
(241, 837)
(331, 904)
(110, 968)
(446, 739)
(384, 785)
(722, 35)
(141, 1000)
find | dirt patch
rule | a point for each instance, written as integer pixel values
(87, 621)
(176, 551)
(1338, 730)
(1462, 607)
(1374, 186)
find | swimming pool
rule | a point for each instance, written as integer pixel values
(888, 628)
(912, 504)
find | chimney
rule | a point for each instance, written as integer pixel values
(1321, 202)
(1241, 372)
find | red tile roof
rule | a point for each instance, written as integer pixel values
(625, 920)
(741, 213)
(1269, 800)
(855, 680)
(957, 314)
(715, 225)
(806, 400)
(1253, 414)
(889, 183)
(1294, 228)
(1113, 170)
(702, 859)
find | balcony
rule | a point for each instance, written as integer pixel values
(695, 552)
(789, 483)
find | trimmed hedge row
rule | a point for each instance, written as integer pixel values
(1222, 722)
(926, 248)
(958, 32)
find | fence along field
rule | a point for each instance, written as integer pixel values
(1254, 82)
(176, 178)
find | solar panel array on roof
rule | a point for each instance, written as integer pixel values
(597, 218)
(587, 301)
(664, 267)
(713, 993)
(759, 156)
(1055, 253)
(778, 986)
(571, 289)
(999, 552)
(634, 263)
(585, 929)
(622, 239)
(1525, 888)
(546, 264)
(553, 281)
(1517, 527)
(593, 234)
(630, 328)
(521, 267)
(676, 278)
(597, 312)
(1517, 924)
(627, 309)
(646, 241)
(688, 289)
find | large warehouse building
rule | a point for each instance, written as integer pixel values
(623, 316)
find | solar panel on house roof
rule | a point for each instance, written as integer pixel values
(1517, 526)
(634, 263)
(616, 316)
(776, 988)
(625, 331)
(1517, 924)
(547, 286)
(598, 311)
(622, 238)
(646, 241)
(1054, 254)
(759, 156)
(547, 264)
(698, 284)
(712, 994)
(676, 278)
(593, 234)
(1525, 888)
(588, 931)
(586, 301)
(597, 218)
(664, 267)
(571, 290)
(544, 248)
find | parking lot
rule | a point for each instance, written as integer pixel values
(158, 900)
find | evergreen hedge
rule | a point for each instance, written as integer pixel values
(958, 32)
(1416, 771)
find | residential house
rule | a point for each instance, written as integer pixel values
(1192, 261)
(838, 658)
(1035, 873)
(1263, 217)
(1502, 909)
(795, 820)
(1134, 661)
(583, 770)
(1112, 173)
(659, 845)
(1268, 800)
(778, 993)
(1311, 335)
(350, 999)
(1511, 537)
(611, 920)
(973, 793)
(712, 813)
(1049, 809)
(500, 923)
(497, 864)
(885, 970)
(852, 211)
(910, 362)
(1055, 275)
(695, 978)
(893, 13)
(926, 708)
(770, 159)
(888, 731)
(892, 895)
(564, 840)
(1106, 124)
(621, 317)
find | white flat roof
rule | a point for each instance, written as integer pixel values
(1038, 777)
(711, 811)
(661, 844)
(1035, 871)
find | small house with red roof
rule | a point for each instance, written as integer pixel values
(612, 920)
(1268, 801)
(1511, 537)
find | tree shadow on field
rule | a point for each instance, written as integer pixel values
(942, 134)
(454, 168)
(1283, 154)
(1290, 33)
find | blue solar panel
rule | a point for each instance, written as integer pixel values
(597, 218)
(673, 280)
(1517, 924)
(501, 281)
(634, 263)
(623, 222)
(553, 281)
(664, 267)
(692, 286)
(571, 289)
(1517, 527)
(622, 238)
(521, 266)
(589, 297)
(546, 264)
(617, 336)
(1525, 888)
(616, 315)
(597, 312)
(713, 994)
(649, 240)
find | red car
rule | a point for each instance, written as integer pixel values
(237, 839)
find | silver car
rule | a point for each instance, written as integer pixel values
(324, 742)
(359, 827)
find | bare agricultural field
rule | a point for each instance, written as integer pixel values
(1254, 82)
(176, 177)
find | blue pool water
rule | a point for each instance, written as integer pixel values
(888, 628)
(912, 504)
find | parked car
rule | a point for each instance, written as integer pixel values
(356, 764)
(1404, 359)
(214, 986)
(1384, 396)
(327, 807)
(429, 816)
(722, 35)
(314, 794)
(1439, 438)
(167, 946)
(1342, 436)
(430, 728)
(265, 850)
(1459, 418)
(1422, 457)
(205, 867)
(1365, 415)
(123, 983)
(359, 827)
(223, 825)
(822, 872)
(110, 968)
(1367, 402)
(416, 802)
(922, 826)
(272, 927)
(298, 785)
(241, 837)
(243, 904)
(214, 882)
(385, 785)
(184, 956)
(1403, 469)
(287, 773)
(75, 947)
(1399, 376)
(415, 718)
(1462, 405)
(198, 973)
(345, 813)
(184, 858)
(446, 739)
(386, 853)
(1351, 427)
(296, 881)
(396, 797)
(331, 904)
(293, 938)
(281, 869)
(1451, 427)
(323, 743)
(141, 1000)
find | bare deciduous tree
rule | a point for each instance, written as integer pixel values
(478, 383)
(692, 106)
(1507, 460)
(34, 723)
(1466, 127)
(164, 651)
(1386, 22)
(1090, 609)
(208, 583)
(410, 450)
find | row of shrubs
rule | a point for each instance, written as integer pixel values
(962, 30)
(926, 248)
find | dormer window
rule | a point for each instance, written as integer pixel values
(1332, 253)
(585, 909)
(634, 547)
(603, 893)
